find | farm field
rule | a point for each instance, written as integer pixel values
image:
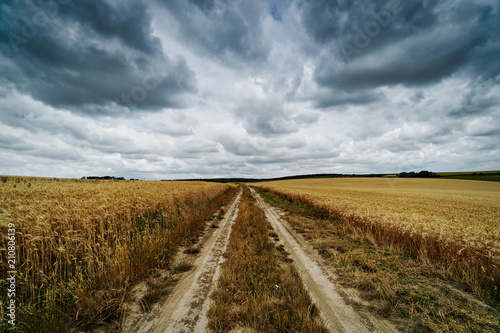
(81, 244)
(450, 207)
(473, 175)
(448, 221)
(447, 227)
(338, 254)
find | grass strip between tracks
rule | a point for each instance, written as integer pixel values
(259, 288)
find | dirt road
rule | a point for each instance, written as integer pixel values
(333, 302)
(186, 308)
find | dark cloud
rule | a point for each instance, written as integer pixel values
(271, 118)
(417, 97)
(342, 98)
(14, 142)
(383, 43)
(478, 100)
(128, 21)
(204, 5)
(95, 57)
(229, 31)
(58, 153)
(418, 64)
(283, 151)
(488, 132)
(278, 8)
(329, 21)
(240, 146)
(485, 127)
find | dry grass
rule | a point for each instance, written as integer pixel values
(258, 289)
(81, 244)
(451, 224)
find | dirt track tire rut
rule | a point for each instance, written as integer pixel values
(331, 300)
(186, 307)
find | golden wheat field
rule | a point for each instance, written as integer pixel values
(453, 223)
(81, 243)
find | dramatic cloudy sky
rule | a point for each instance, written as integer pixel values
(163, 89)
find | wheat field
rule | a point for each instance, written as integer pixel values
(81, 244)
(454, 224)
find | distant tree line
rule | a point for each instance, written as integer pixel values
(105, 177)
(485, 174)
(252, 180)
(421, 174)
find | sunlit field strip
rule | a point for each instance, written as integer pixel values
(453, 223)
(82, 243)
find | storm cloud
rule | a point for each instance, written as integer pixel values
(93, 57)
(162, 89)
